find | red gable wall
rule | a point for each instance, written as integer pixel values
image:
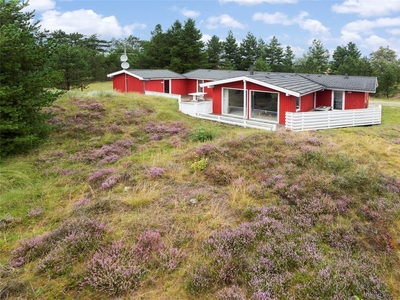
(286, 103)
(354, 100)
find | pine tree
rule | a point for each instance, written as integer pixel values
(248, 51)
(214, 51)
(231, 52)
(274, 55)
(24, 80)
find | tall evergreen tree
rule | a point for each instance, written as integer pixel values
(156, 52)
(24, 80)
(346, 60)
(230, 54)
(316, 61)
(274, 55)
(248, 51)
(188, 53)
(214, 52)
(288, 59)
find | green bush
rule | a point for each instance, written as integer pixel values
(202, 135)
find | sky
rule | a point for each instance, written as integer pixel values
(369, 24)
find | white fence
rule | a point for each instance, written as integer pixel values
(314, 120)
(238, 121)
(195, 108)
(174, 96)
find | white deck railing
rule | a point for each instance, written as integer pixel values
(174, 96)
(195, 108)
(314, 120)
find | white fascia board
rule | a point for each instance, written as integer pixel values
(244, 78)
(111, 75)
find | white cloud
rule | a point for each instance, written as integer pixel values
(190, 13)
(205, 38)
(255, 2)
(395, 31)
(86, 22)
(223, 21)
(315, 27)
(40, 5)
(276, 18)
(367, 8)
(367, 26)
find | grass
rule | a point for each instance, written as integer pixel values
(225, 211)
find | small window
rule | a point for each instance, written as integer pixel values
(338, 100)
(297, 103)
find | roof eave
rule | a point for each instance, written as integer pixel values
(244, 78)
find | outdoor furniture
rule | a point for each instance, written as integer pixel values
(197, 96)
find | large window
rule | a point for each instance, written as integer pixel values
(233, 102)
(338, 99)
(264, 105)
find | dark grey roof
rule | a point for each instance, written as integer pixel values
(300, 83)
(289, 81)
(155, 74)
(344, 82)
(214, 74)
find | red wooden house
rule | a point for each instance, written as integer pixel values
(255, 98)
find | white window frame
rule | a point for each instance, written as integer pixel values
(225, 107)
(263, 91)
(343, 99)
(298, 99)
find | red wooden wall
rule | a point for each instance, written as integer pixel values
(323, 98)
(179, 86)
(354, 100)
(307, 102)
(156, 85)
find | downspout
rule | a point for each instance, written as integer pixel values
(245, 99)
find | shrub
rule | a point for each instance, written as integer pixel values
(219, 174)
(113, 271)
(202, 135)
(74, 237)
(155, 172)
(199, 165)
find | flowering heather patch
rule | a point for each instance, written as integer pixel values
(114, 128)
(170, 258)
(113, 270)
(81, 203)
(148, 243)
(314, 141)
(159, 130)
(105, 154)
(155, 172)
(35, 212)
(100, 174)
(110, 182)
(89, 232)
(137, 112)
(200, 280)
(232, 292)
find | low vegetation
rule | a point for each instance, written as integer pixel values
(131, 199)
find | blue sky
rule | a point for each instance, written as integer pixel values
(367, 23)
